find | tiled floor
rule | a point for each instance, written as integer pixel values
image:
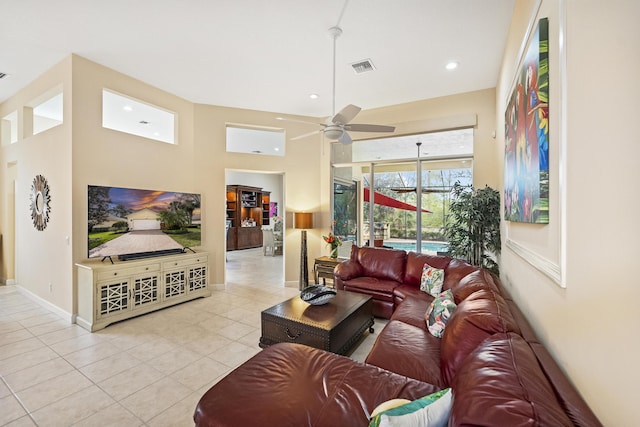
(147, 371)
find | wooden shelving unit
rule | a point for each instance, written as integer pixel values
(247, 211)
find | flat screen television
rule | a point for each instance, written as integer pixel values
(132, 223)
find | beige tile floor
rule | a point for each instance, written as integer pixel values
(146, 371)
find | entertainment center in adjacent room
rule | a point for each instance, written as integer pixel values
(247, 212)
(108, 293)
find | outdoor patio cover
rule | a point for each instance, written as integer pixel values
(381, 199)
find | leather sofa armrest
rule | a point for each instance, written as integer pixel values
(347, 270)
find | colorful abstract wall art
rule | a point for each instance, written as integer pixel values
(526, 167)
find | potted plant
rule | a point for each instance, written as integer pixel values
(334, 241)
(473, 226)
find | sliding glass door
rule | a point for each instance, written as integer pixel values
(395, 186)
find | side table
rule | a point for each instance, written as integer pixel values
(323, 267)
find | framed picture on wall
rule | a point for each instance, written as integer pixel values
(526, 168)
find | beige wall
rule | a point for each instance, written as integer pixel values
(591, 326)
(301, 168)
(41, 257)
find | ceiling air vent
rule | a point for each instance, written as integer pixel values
(363, 66)
(3, 75)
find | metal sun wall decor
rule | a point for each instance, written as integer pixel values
(40, 200)
(526, 160)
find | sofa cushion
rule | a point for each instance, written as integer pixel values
(415, 263)
(381, 263)
(455, 271)
(439, 312)
(432, 410)
(412, 309)
(294, 385)
(501, 383)
(380, 289)
(407, 350)
(406, 291)
(571, 401)
(432, 280)
(479, 316)
(475, 281)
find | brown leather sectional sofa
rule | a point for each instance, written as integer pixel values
(489, 355)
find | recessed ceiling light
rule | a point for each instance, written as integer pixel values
(277, 149)
(127, 108)
(452, 65)
(314, 96)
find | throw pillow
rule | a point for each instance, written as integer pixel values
(432, 410)
(432, 280)
(439, 312)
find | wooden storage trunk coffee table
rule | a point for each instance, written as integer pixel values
(335, 326)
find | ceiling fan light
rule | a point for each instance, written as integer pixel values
(333, 133)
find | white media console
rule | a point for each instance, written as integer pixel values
(108, 293)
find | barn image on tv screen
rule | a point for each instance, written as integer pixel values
(132, 223)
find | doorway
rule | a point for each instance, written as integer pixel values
(253, 265)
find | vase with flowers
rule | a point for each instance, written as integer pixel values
(334, 242)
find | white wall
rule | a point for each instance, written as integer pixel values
(591, 326)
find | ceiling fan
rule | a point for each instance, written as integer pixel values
(337, 126)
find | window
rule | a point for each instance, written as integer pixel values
(47, 114)
(128, 115)
(10, 128)
(452, 143)
(255, 140)
(388, 170)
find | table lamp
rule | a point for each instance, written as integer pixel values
(303, 221)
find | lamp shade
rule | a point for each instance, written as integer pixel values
(303, 220)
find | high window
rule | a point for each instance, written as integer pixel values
(255, 140)
(48, 114)
(135, 117)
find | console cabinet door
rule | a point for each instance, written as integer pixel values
(175, 284)
(112, 297)
(145, 290)
(197, 275)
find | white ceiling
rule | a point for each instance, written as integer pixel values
(264, 55)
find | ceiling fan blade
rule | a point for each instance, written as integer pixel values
(345, 138)
(345, 115)
(304, 135)
(361, 127)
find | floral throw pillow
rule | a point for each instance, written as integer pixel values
(439, 313)
(432, 410)
(431, 280)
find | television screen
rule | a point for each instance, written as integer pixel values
(131, 223)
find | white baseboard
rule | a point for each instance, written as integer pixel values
(46, 304)
(83, 323)
(294, 284)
